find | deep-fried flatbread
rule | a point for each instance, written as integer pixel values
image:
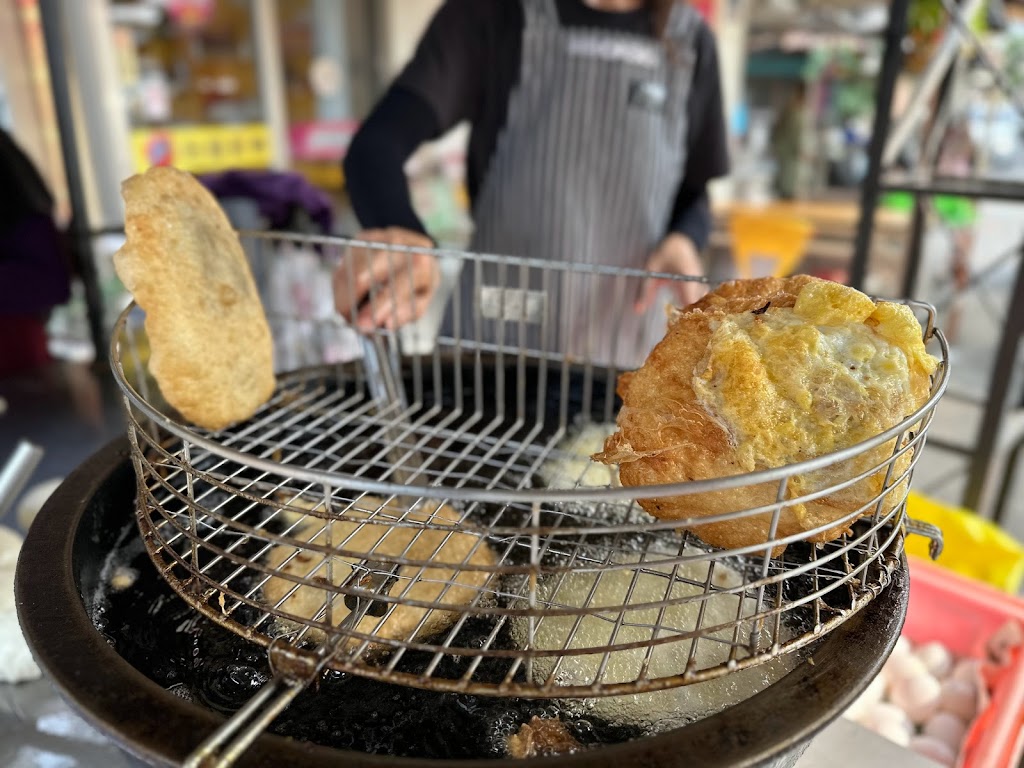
(762, 374)
(372, 534)
(211, 350)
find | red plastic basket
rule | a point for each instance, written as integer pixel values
(962, 615)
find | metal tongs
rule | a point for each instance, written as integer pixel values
(386, 388)
(292, 673)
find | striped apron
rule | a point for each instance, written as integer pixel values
(585, 171)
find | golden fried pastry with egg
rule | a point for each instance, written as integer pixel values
(766, 373)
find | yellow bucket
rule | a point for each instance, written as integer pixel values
(972, 546)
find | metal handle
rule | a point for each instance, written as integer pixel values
(932, 532)
(386, 387)
(15, 474)
(225, 745)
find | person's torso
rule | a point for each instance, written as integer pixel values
(503, 47)
(584, 171)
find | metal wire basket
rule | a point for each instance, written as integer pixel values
(430, 517)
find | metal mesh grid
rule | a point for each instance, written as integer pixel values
(425, 500)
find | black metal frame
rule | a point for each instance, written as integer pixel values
(921, 186)
(892, 63)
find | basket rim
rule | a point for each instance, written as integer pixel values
(334, 479)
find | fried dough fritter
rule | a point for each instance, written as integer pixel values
(540, 737)
(765, 373)
(369, 530)
(211, 347)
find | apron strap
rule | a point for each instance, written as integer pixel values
(683, 24)
(540, 13)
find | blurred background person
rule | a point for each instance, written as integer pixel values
(34, 275)
(596, 126)
(788, 142)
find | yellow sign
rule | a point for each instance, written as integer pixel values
(203, 148)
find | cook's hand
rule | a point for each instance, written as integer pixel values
(678, 255)
(403, 283)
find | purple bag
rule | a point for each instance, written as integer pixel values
(34, 275)
(279, 195)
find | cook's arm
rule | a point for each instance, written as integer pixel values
(707, 155)
(679, 251)
(692, 215)
(439, 87)
(375, 162)
(379, 193)
(706, 158)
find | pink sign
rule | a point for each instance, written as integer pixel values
(321, 139)
(190, 14)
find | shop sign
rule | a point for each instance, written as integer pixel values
(157, 149)
(189, 14)
(203, 148)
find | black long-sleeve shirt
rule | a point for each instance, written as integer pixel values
(465, 68)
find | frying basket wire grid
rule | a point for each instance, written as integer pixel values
(426, 513)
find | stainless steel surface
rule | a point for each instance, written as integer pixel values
(37, 728)
(323, 439)
(845, 744)
(480, 418)
(127, 691)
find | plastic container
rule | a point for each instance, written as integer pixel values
(764, 235)
(973, 547)
(963, 614)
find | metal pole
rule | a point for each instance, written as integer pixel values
(934, 126)
(15, 474)
(1004, 488)
(942, 61)
(1002, 373)
(56, 44)
(376, 14)
(914, 248)
(892, 62)
(270, 66)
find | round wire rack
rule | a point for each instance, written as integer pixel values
(419, 506)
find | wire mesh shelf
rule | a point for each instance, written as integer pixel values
(432, 518)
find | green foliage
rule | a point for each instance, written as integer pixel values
(1013, 62)
(925, 18)
(853, 99)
